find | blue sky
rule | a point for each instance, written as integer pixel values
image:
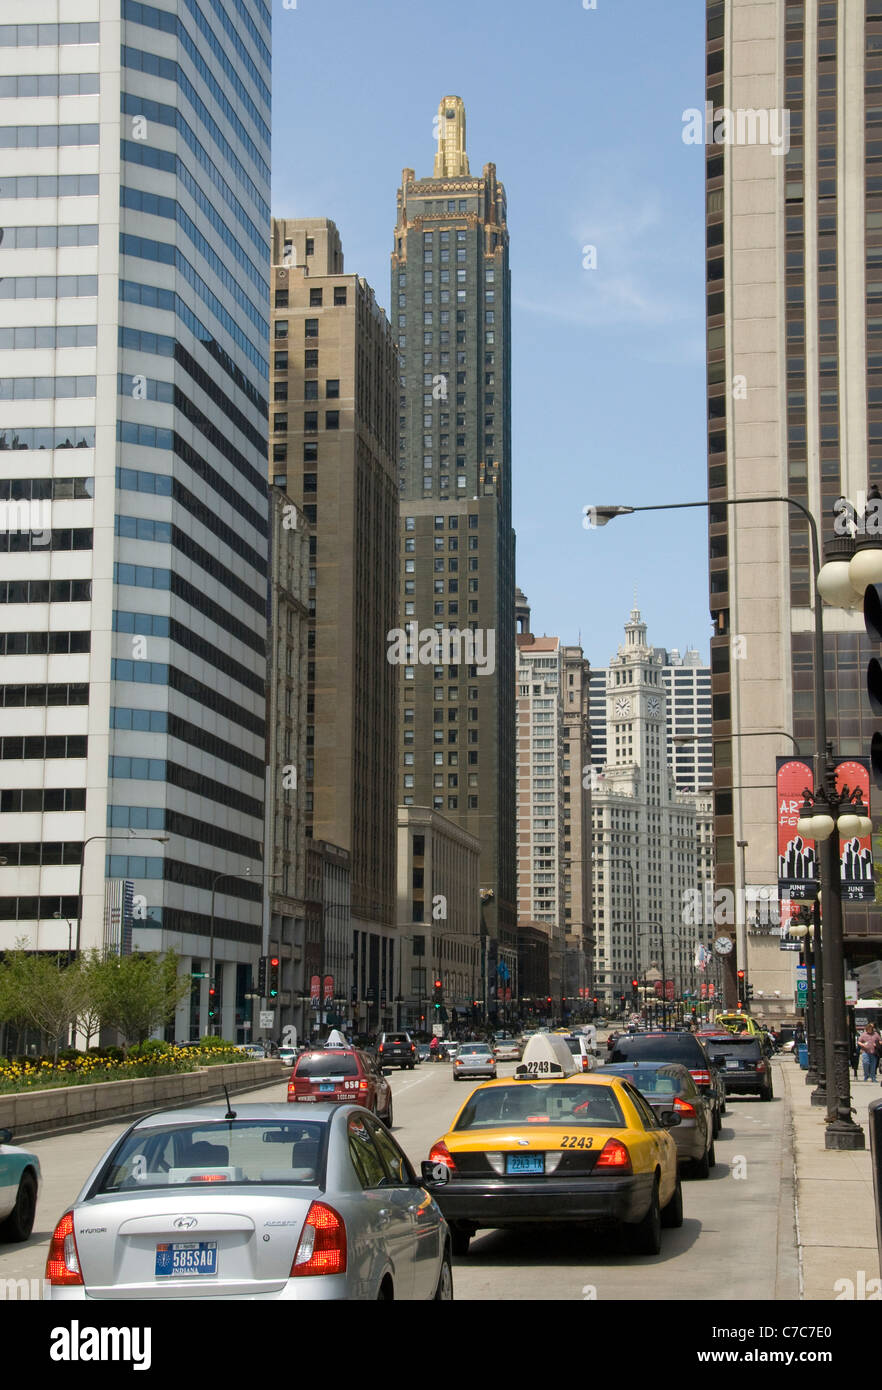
(581, 111)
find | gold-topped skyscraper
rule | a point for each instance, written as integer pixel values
(451, 313)
(451, 161)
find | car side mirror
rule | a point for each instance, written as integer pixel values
(433, 1174)
(669, 1118)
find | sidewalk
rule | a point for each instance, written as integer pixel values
(835, 1211)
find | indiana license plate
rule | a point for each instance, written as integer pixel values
(525, 1163)
(180, 1259)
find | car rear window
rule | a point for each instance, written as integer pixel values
(396, 1038)
(537, 1103)
(658, 1081)
(671, 1047)
(327, 1064)
(733, 1047)
(262, 1152)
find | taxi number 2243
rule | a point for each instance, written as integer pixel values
(577, 1141)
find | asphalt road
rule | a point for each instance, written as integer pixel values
(737, 1240)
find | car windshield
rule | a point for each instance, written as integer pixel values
(658, 1081)
(475, 1049)
(574, 1045)
(396, 1038)
(264, 1152)
(327, 1064)
(535, 1103)
(668, 1047)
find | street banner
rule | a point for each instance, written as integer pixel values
(314, 988)
(669, 989)
(329, 988)
(797, 860)
(711, 990)
(659, 988)
(856, 855)
(787, 910)
(704, 989)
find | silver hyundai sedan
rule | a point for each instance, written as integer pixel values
(252, 1203)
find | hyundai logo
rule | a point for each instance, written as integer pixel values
(185, 1223)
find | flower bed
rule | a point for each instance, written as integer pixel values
(85, 1069)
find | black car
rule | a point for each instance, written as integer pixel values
(684, 1048)
(742, 1061)
(396, 1049)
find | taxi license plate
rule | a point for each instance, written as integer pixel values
(525, 1163)
(186, 1258)
(329, 1087)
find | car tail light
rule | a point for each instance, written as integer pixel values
(380, 1048)
(760, 1066)
(458, 1062)
(363, 1085)
(682, 1107)
(322, 1245)
(63, 1261)
(584, 1063)
(701, 1078)
(614, 1155)
(439, 1153)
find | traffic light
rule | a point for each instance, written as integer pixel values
(212, 1001)
(438, 993)
(740, 988)
(749, 994)
(273, 977)
(261, 976)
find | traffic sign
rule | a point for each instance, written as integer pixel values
(199, 974)
(267, 1018)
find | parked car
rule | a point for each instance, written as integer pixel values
(743, 1064)
(254, 1050)
(341, 1076)
(19, 1186)
(685, 1048)
(252, 1203)
(668, 1087)
(474, 1059)
(396, 1049)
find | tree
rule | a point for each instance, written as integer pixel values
(137, 994)
(43, 990)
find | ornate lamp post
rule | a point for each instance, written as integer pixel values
(802, 927)
(827, 816)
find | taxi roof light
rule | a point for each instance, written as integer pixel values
(547, 1054)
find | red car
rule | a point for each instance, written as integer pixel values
(342, 1076)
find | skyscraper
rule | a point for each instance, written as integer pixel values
(134, 292)
(794, 336)
(451, 309)
(335, 371)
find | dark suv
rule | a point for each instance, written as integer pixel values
(396, 1049)
(743, 1063)
(676, 1047)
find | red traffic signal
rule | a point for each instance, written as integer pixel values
(437, 984)
(274, 960)
(741, 974)
(634, 984)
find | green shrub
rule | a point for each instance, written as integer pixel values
(208, 1043)
(151, 1048)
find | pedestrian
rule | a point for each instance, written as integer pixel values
(868, 1042)
(433, 1049)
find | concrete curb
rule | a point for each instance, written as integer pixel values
(789, 1284)
(133, 1099)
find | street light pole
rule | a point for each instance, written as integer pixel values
(158, 839)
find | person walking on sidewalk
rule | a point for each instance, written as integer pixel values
(868, 1043)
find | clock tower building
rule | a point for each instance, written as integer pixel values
(646, 833)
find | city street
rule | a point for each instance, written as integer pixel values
(738, 1221)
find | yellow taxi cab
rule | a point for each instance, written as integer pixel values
(737, 1023)
(555, 1144)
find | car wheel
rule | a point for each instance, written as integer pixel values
(717, 1123)
(387, 1118)
(712, 1157)
(766, 1094)
(701, 1166)
(444, 1291)
(645, 1237)
(460, 1237)
(20, 1221)
(672, 1215)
